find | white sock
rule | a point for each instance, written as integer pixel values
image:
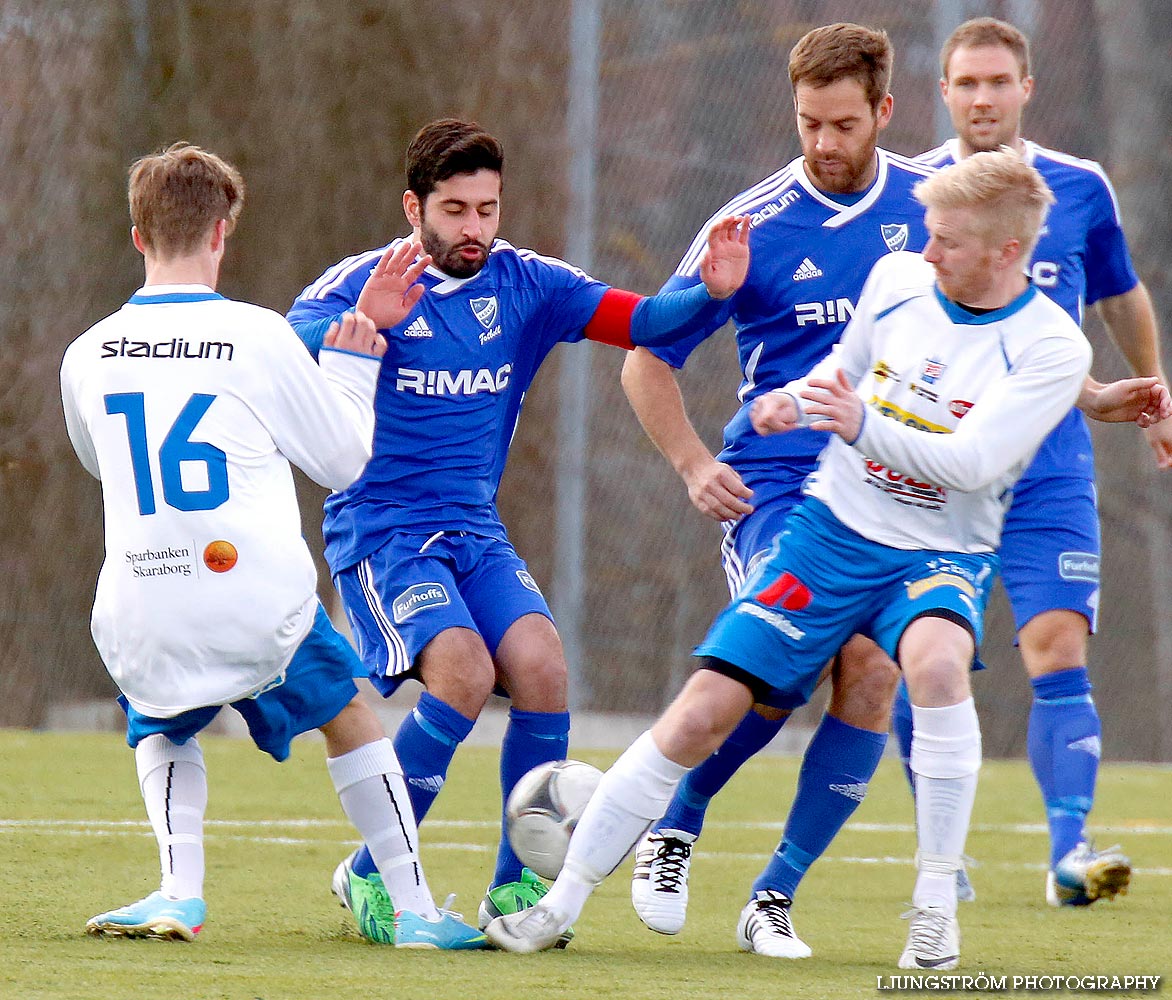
(174, 783)
(374, 797)
(945, 758)
(633, 794)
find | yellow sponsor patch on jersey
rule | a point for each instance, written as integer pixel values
(889, 409)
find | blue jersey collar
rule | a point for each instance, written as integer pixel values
(159, 294)
(962, 317)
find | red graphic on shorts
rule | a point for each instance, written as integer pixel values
(788, 591)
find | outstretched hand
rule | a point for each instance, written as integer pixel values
(726, 261)
(1142, 401)
(391, 292)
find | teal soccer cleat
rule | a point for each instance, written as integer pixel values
(448, 933)
(154, 917)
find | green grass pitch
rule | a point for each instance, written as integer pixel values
(73, 842)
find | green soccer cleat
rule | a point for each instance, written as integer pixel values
(367, 899)
(513, 897)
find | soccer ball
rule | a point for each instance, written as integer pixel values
(543, 809)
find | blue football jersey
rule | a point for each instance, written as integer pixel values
(811, 252)
(449, 392)
(1081, 257)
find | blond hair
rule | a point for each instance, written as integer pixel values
(1010, 196)
(844, 52)
(178, 194)
(987, 31)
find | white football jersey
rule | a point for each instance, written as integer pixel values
(189, 407)
(957, 404)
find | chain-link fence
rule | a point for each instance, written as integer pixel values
(626, 123)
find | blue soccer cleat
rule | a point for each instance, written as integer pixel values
(154, 917)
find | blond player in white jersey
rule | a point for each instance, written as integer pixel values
(950, 374)
(189, 408)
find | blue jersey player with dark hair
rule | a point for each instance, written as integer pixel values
(1050, 544)
(431, 584)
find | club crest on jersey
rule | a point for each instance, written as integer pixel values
(895, 236)
(485, 310)
(527, 581)
(418, 598)
(932, 369)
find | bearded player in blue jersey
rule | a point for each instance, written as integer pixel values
(431, 584)
(819, 225)
(1050, 545)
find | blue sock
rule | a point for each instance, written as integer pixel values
(901, 725)
(531, 738)
(425, 744)
(1064, 744)
(839, 762)
(687, 808)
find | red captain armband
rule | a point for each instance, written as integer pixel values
(611, 322)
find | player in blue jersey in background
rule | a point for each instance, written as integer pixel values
(431, 584)
(1050, 546)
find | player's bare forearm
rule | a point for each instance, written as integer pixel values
(715, 489)
(1131, 322)
(655, 396)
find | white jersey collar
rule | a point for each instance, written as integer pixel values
(448, 284)
(1029, 150)
(843, 213)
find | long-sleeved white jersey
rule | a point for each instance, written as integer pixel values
(189, 407)
(956, 405)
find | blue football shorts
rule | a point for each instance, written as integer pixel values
(415, 586)
(749, 540)
(823, 583)
(1050, 549)
(316, 685)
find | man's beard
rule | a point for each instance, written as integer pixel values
(853, 178)
(446, 256)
